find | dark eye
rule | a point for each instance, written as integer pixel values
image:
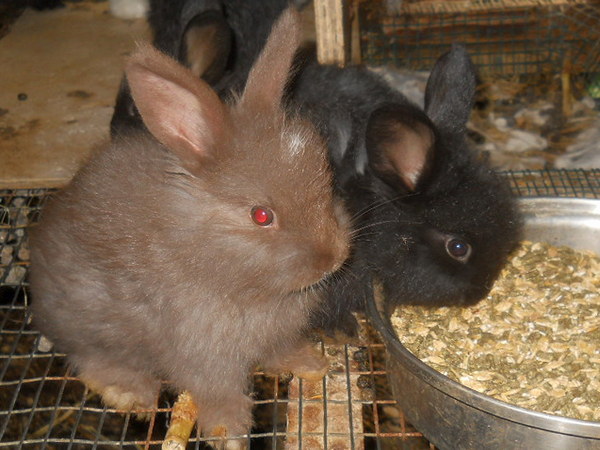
(458, 249)
(262, 216)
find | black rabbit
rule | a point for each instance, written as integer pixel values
(435, 223)
(218, 39)
(432, 221)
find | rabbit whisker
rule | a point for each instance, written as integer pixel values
(378, 204)
(362, 212)
(375, 224)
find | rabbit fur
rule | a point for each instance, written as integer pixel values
(434, 223)
(153, 264)
(199, 35)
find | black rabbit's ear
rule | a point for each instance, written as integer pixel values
(206, 45)
(450, 90)
(400, 144)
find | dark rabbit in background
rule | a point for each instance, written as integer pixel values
(187, 253)
(198, 33)
(433, 222)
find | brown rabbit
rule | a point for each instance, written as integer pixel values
(194, 252)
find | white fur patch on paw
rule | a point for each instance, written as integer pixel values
(234, 445)
(224, 443)
(117, 398)
(228, 445)
(44, 344)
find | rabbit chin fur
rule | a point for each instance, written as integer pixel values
(149, 265)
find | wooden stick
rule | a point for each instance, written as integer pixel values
(183, 419)
(355, 51)
(466, 6)
(565, 81)
(332, 32)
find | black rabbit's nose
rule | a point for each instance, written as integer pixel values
(475, 294)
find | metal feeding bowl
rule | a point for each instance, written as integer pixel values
(453, 416)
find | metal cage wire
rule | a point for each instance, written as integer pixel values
(503, 37)
(44, 405)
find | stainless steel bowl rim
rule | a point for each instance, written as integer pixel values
(553, 205)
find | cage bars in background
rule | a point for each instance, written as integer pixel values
(504, 38)
(43, 405)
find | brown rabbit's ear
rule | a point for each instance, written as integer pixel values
(268, 76)
(181, 111)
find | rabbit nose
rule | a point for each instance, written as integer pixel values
(332, 258)
(343, 252)
(474, 295)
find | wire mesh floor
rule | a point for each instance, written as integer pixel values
(43, 405)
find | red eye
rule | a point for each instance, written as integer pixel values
(262, 216)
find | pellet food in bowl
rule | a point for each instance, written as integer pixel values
(521, 369)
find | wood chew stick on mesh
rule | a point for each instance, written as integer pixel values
(318, 418)
(183, 419)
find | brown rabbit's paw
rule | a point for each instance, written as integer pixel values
(223, 443)
(340, 337)
(312, 373)
(235, 445)
(305, 362)
(121, 388)
(228, 422)
(310, 365)
(125, 400)
(114, 396)
(219, 431)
